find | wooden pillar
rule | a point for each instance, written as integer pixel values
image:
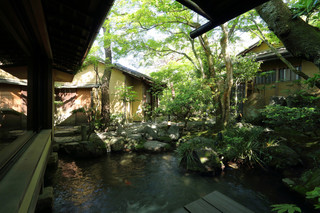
(40, 93)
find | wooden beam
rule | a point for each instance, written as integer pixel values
(40, 94)
(37, 20)
(9, 18)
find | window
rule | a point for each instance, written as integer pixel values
(285, 74)
(267, 77)
(294, 76)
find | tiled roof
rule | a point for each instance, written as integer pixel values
(13, 82)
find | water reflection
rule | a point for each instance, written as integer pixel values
(154, 183)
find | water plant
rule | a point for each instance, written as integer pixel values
(281, 208)
(243, 145)
(187, 152)
(315, 194)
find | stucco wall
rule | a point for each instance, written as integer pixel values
(117, 80)
(280, 88)
(87, 76)
(71, 99)
(81, 97)
(13, 102)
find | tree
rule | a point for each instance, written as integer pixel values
(300, 38)
(105, 96)
(134, 33)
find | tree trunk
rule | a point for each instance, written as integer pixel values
(226, 93)
(105, 96)
(173, 92)
(299, 38)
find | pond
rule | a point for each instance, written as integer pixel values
(155, 183)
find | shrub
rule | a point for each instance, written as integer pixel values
(303, 120)
(186, 151)
(243, 145)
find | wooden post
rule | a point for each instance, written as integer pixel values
(40, 94)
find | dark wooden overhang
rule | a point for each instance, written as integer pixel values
(62, 31)
(218, 11)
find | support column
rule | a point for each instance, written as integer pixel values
(40, 94)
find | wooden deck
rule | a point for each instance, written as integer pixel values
(214, 202)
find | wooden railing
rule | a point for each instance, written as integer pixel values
(20, 186)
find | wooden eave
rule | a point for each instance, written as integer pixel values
(62, 31)
(218, 12)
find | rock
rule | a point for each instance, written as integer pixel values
(278, 100)
(239, 125)
(150, 133)
(65, 132)
(85, 149)
(134, 144)
(156, 146)
(174, 132)
(165, 139)
(45, 200)
(210, 161)
(117, 144)
(137, 137)
(283, 157)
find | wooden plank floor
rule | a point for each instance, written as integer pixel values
(214, 202)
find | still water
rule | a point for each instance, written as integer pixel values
(154, 183)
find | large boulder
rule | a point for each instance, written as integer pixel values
(174, 132)
(136, 137)
(150, 133)
(117, 144)
(278, 100)
(156, 146)
(134, 142)
(210, 161)
(282, 157)
(197, 157)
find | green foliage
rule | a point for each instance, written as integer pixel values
(314, 194)
(300, 119)
(281, 208)
(117, 118)
(302, 98)
(186, 151)
(309, 9)
(245, 68)
(192, 99)
(126, 93)
(243, 145)
(311, 82)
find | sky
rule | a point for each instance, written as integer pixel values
(130, 62)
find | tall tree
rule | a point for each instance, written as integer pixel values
(105, 80)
